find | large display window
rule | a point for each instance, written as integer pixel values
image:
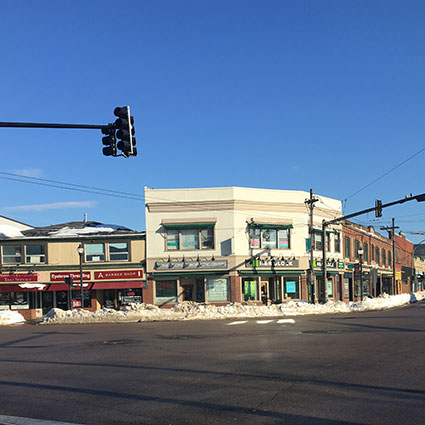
(218, 290)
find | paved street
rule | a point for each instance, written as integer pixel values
(365, 368)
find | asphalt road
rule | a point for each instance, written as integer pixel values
(365, 368)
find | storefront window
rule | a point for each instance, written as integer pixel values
(19, 299)
(95, 252)
(292, 287)
(35, 254)
(12, 254)
(217, 290)
(330, 288)
(250, 289)
(4, 300)
(130, 296)
(166, 291)
(118, 251)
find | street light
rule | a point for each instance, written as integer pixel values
(80, 250)
(360, 252)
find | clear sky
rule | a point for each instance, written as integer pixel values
(327, 95)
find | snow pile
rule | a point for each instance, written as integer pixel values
(203, 311)
(8, 231)
(8, 317)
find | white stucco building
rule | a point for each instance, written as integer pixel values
(234, 244)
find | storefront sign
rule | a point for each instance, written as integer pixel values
(118, 274)
(19, 277)
(60, 277)
(330, 264)
(76, 303)
(271, 262)
(190, 265)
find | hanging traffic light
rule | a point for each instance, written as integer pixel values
(378, 208)
(109, 141)
(125, 131)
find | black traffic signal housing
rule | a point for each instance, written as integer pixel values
(69, 280)
(378, 208)
(125, 131)
(109, 141)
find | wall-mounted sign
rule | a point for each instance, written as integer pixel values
(191, 265)
(330, 264)
(19, 277)
(60, 277)
(119, 274)
(271, 262)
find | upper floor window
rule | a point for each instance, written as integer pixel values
(377, 255)
(24, 254)
(190, 238)
(94, 252)
(356, 249)
(366, 252)
(337, 242)
(118, 251)
(384, 260)
(389, 258)
(101, 252)
(347, 251)
(269, 238)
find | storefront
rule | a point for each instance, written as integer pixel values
(34, 295)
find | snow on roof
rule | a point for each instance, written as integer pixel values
(8, 231)
(70, 231)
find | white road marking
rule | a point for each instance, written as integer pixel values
(240, 322)
(286, 321)
(15, 420)
(262, 322)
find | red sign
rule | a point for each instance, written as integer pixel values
(19, 277)
(60, 277)
(76, 303)
(119, 274)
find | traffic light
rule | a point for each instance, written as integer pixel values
(109, 141)
(125, 131)
(378, 208)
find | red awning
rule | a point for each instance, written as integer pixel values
(118, 285)
(18, 288)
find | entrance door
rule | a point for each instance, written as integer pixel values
(47, 301)
(275, 290)
(187, 292)
(62, 300)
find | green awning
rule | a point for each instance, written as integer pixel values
(271, 226)
(187, 225)
(329, 272)
(271, 272)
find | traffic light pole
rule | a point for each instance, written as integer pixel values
(46, 125)
(323, 292)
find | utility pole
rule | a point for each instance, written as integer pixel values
(418, 198)
(392, 235)
(310, 276)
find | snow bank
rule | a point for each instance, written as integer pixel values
(204, 311)
(8, 317)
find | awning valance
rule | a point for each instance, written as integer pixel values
(188, 225)
(271, 226)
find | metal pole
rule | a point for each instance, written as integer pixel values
(324, 288)
(80, 252)
(52, 125)
(310, 276)
(361, 276)
(394, 274)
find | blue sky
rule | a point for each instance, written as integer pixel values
(327, 95)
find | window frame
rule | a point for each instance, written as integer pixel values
(261, 240)
(23, 253)
(200, 238)
(347, 247)
(107, 251)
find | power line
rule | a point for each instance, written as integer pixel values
(385, 174)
